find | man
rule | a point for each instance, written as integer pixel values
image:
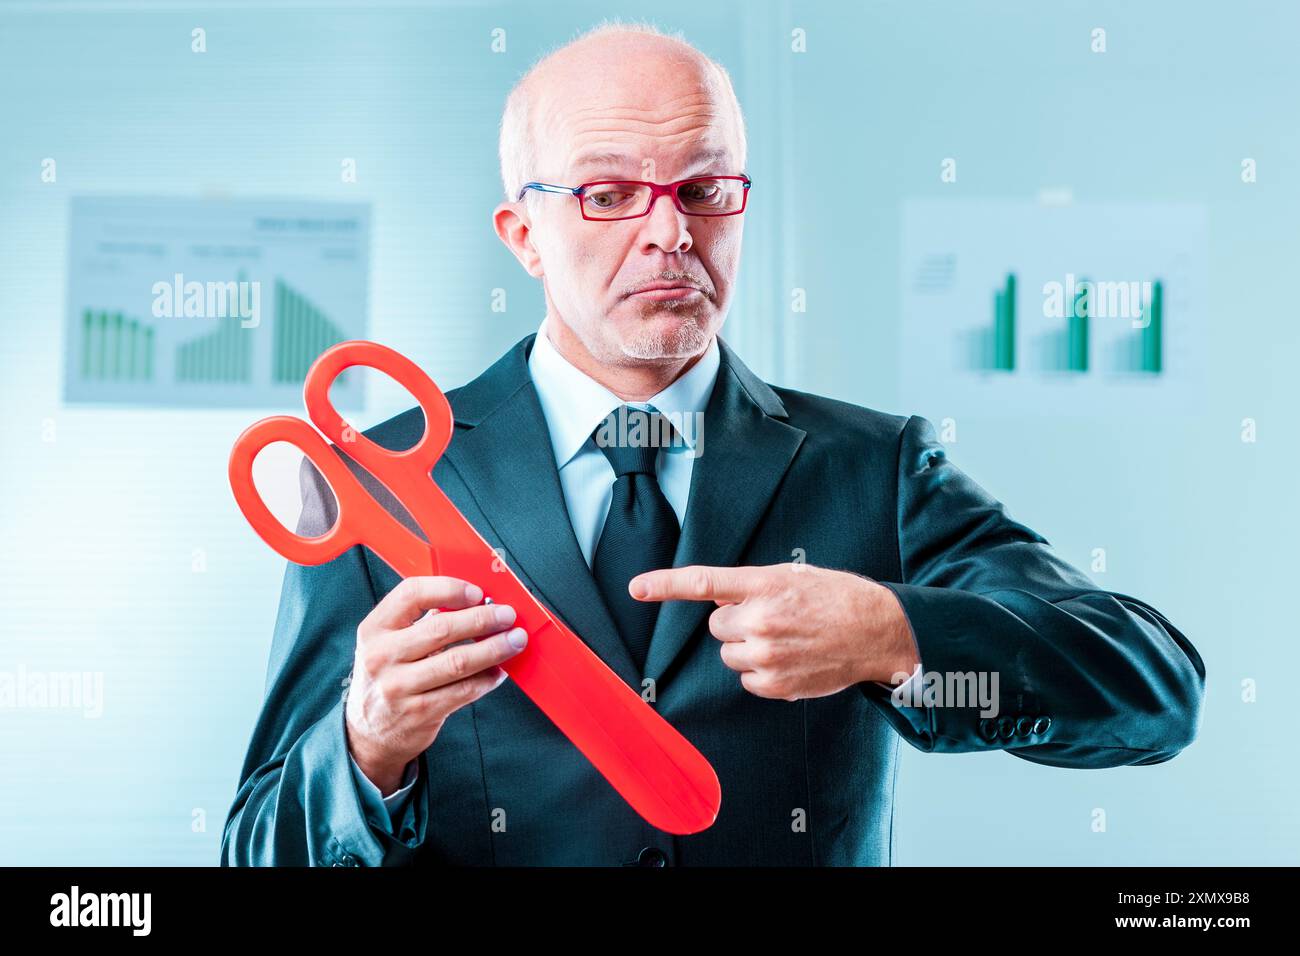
(763, 580)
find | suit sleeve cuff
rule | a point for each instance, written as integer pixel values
(941, 622)
(335, 807)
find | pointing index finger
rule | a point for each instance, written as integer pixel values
(695, 582)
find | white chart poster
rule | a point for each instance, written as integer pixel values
(211, 303)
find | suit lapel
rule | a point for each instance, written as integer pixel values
(747, 450)
(502, 453)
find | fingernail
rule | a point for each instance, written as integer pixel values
(473, 593)
(505, 614)
(517, 638)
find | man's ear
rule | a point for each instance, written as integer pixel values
(514, 227)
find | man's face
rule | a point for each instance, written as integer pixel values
(656, 119)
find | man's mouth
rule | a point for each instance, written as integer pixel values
(667, 292)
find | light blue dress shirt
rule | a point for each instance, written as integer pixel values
(574, 405)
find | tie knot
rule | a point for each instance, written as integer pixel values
(631, 438)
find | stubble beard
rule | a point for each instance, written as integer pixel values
(687, 338)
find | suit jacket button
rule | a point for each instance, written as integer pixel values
(1041, 724)
(1006, 728)
(652, 856)
(1023, 726)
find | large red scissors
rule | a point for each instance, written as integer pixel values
(655, 769)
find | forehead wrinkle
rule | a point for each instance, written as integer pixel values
(703, 107)
(616, 153)
(601, 119)
(610, 152)
(637, 124)
(698, 96)
(667, 128)
(588, 152)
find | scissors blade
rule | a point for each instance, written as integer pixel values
(647, 761)
(656, 770)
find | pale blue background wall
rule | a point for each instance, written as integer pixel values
(101, 523)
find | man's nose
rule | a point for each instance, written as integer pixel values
(665, 227)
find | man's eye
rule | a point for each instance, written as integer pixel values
(606, 198)
(701, 192)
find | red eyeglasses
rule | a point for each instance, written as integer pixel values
(613, 199)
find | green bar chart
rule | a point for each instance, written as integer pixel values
(115, 348)
(993, 347)
(1143, 352)
(1024, 307)
(224, 355)
(302, 332)
(1067, 348)
(1064, 348)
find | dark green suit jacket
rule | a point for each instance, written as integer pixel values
(1087, 678)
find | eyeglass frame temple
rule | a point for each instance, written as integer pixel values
(547, 188)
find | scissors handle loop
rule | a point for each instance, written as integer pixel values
(405, 473)
(375, 458)
(296, 432)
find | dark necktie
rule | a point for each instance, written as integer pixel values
(641, 530)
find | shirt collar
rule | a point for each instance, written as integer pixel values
(574, 403)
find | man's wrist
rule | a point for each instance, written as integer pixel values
(388, 781)
(896, 657)
(381, 773)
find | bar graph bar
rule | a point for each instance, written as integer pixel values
(1152, 335)
(1004, 326)
(1142, 351)
(115, 348)
(1077, 360)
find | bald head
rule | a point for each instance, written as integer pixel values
(627, 79)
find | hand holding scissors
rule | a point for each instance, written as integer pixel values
(655, 769)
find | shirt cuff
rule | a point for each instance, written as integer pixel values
(383, 809)
(905, 687)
